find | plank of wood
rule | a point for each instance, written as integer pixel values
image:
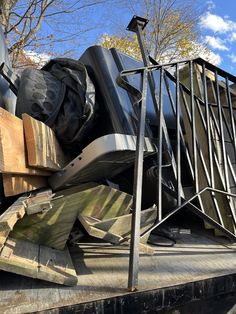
(31, 260)
(38, 202)
(12, 146)
(43, 148)
(9, 218)
(53, 226)
(14, 184)
(116, 229)
(56, 266)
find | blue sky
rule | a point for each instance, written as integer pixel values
(217, 26)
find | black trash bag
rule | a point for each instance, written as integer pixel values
(62, 96)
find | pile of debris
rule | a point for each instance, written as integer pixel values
(69, 157)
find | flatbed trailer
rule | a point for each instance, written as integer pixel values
(197, 275)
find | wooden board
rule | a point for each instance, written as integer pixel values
(117, 228)
(53, 226)
(12, 146)
(43, 148)
(9, 218)
(14, 184)
(31, 260)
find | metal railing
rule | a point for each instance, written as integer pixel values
(201, 100)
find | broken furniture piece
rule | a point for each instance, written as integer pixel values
(52, 226)
(37, 261)
(117, 229)
(100, 160)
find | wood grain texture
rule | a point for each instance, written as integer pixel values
(12, 146)
(117, 228)
(14, 184)
(31, 260)
(53, 226)
(9, 218)
(43, 148)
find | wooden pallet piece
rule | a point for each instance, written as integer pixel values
(31, 260)
(14, 184)
(117, 229)
(9, 218)
(53, 226)
(12, 146)
(43, 148)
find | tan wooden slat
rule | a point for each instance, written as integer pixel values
(12, 146)
(43, 148)
(14, 184)
(31, 260)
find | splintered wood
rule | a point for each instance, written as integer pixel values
(12, 147)
(43, 148)
(8, 219)
(31, 260)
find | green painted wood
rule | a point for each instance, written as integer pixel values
(53, 226)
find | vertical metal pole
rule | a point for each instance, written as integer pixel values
(231, 115)
(222, 140)
(159, 114)
(178, 136)
(193, 127)
(209, 141)
(159, 138)
(137, 192)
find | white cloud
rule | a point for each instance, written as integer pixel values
(232, 37)
(215, 43)
(216, 23)
(212, 57)
(232, 57)
(39, 58)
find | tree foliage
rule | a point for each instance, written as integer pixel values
(171, 33)
(128, 45)
(22, 21)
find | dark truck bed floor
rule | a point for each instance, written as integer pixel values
(197, 268)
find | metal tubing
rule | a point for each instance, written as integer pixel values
(178, 162)
(231, 115)
(209, 140)
(184, 146)
(195, 210)
(193, 126)
(222, 140)
(137, 193)
(202, 159)
(159, 152)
